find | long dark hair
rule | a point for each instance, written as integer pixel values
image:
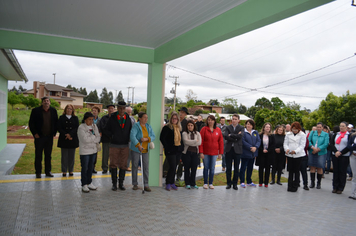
(195, 126)
(212, 118)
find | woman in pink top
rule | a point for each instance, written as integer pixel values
(212, 146)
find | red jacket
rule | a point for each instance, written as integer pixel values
(212, 143)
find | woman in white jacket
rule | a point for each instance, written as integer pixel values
(293, 145)
(89, 137)
(191, 140)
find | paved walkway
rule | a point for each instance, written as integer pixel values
(57, 206)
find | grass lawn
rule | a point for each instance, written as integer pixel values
(25, 165)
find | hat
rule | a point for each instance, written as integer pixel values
(121, 104)
(184, 109)
(350, 126)
(110, 105)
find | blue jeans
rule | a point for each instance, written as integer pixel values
(209, 168)
(231, 156)
(223, 162)
(246, 162)
(87, 162)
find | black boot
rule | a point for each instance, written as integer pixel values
(279, 179)
(114, 178)
(273, 179)
(318, 185)
(121, 179)
(312, 180)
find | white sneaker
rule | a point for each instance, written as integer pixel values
(85, 189)
(91, 186)
(205, 186)
(211, 186)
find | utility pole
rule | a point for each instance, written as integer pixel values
(174, 91)
(54, 79)
(133, 90)
(128, 94)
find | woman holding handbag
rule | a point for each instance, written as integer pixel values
(141, 136)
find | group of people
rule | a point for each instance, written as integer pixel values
(188, 141)
(118, 132)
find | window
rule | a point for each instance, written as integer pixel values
(64, 94)
(2, 107)
(51, 93)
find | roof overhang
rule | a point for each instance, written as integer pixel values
(138, 31)
(10, 68)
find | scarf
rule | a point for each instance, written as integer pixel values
(121, 123)
(176, 135)
(342, 135)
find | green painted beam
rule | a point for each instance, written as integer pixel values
(155, 102)
(244, 18)
(3, 125)
(74, 47)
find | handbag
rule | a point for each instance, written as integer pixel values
(98, 147)
(152, 145)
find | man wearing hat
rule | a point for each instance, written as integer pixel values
(350, 128)
(118, 128)
(105, 139)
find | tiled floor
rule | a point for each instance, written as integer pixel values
(58, 207)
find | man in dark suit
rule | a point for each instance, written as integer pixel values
(43, 126)
(233, 135)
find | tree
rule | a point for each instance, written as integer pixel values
(214, 102)
(54, 103)
(198, 112)
(92, 97)
(13, 99)
(190, 103)
(293, 105)
(230, 105)
(82, 91)
(30, 101)
(251, 111)
(120, 97)
(281, 116)
(242, 109)
(263, 103)
(105, 97)
(14, 89)
(21, 89)
(277, 103)
(190, 95)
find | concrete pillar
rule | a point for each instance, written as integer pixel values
(155, 112)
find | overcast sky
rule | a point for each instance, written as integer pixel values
(282, 51)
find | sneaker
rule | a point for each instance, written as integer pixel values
(211, 186)
(168, 187)
(91, 186)
(251, 185)
(205, 186)
(260, 185)
(188, 186)
(349, 178)
(174, 187)
(135, 187)
(243, 185)
(85, 189)
(196, 187)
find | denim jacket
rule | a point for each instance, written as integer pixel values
(136, 135)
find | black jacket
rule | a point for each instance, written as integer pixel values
(167, 140)
(334, 149)
(118, 135)
(68, 126)
(36, 121)
(233, 137)
(101, 126)
(271, 150)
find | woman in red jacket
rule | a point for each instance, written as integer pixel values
(212, 146)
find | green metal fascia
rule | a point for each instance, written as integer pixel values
(74, 47)
(244, 18)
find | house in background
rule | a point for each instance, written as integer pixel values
(62, 95)
(210, 108)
